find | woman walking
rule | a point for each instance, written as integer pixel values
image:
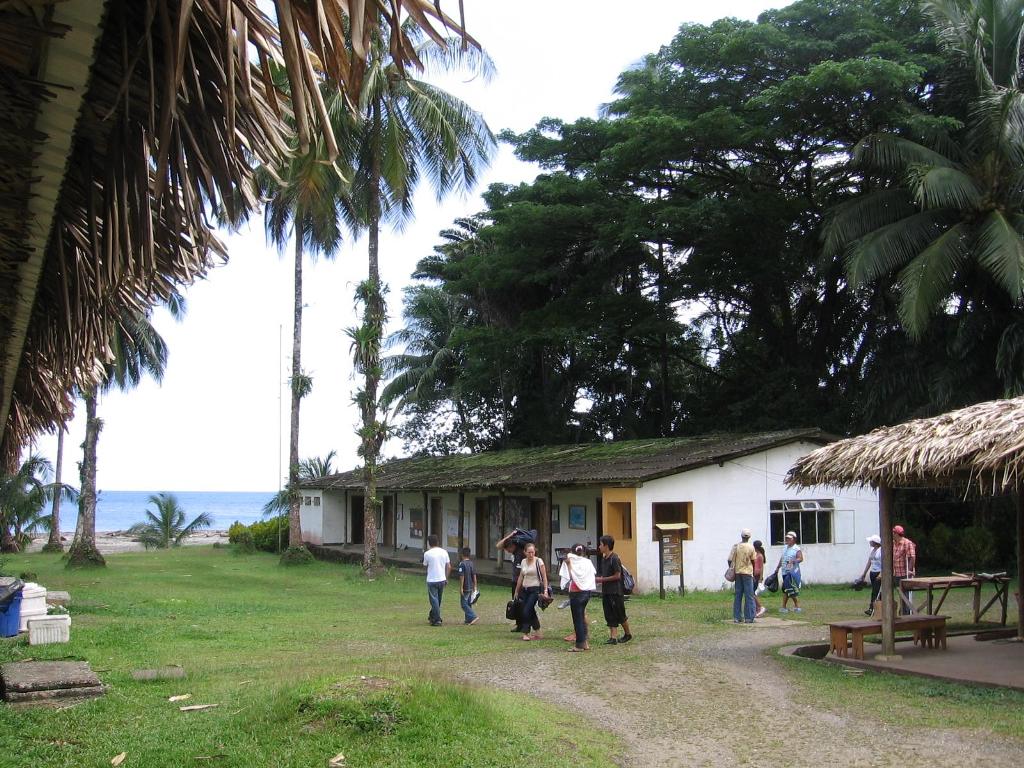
(874, 567)
(790, 561)
(533, 578)
(578, 573)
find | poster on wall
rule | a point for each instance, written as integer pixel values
(452, 529)
(578, 517)
(415, 523)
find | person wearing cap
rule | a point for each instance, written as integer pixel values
(874, 568)
(904, 565)
(741, 559)
(789, 562)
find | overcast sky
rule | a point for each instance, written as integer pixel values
(219, 420)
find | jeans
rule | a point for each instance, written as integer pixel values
(876, 587)
(466, 607)
(435, 589)
(530, 596)
(743, 597)
(578, 606)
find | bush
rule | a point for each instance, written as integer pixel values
(978, 547)
(236, 530)
(296, 556)
(941, 549)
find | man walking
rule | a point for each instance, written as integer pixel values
(741, 558)
(610, 579)
(439, 566)
(904, 566)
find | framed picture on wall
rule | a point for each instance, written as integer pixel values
(556, 519)
(578, 517)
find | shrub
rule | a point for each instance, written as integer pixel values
(978, 547)
(296, 556)
(941, 549)
(270, 535)
(236, 530)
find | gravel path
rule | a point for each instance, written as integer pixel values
(696, 701)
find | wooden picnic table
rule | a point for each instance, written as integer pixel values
(946, 583)
(929, 631)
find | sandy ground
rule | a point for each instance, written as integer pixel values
(721, 700)
(112, 542)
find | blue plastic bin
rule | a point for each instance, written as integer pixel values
(10, 616)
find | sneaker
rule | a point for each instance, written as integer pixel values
(474, 621)
(783, 610)
(563, 604)
(868, 612)
(761, 613)
(611, 641)
(625, 639)
(798, 610)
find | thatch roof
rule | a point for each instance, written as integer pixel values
(979, 447)
(625, 463)
(124, 122)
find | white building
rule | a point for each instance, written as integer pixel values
(717, 485)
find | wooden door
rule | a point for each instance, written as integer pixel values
(357, 520)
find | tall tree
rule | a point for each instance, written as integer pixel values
(304, 200)
(137, 349)
(54, 543)
(22, 495)
(407, 129)
(943, 215)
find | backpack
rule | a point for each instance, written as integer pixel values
(628, 582)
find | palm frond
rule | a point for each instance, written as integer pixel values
(944, 187)
(890, 248)
(925, 282)
(895, 154)
(1000, 251)
(861, 215)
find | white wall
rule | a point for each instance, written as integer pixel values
(734, 496)
(311, 518)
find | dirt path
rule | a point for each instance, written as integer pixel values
(719, 700)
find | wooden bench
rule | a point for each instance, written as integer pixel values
(929, 631)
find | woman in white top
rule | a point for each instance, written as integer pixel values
(578, 574)
(874, 567)
(533, 579)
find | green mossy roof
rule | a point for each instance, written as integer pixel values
(627, 462)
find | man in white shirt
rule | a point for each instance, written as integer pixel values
(439, 566)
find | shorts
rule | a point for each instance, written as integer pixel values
(614, 610)
(791, 583)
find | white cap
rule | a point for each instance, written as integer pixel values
(874, 539)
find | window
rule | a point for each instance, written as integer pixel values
(307, 501)
(316, 501)
(672, 512)
(811, 520)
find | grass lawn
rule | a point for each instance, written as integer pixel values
(309, 662)
(284, 653)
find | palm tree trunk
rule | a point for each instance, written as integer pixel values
(294, 495)
(373, 322)
(54, 544)
(83, 548)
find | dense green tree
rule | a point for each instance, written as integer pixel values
(166, 527)
(407, 129)
(23, 495)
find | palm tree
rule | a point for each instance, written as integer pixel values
(137, 349)
(427, 370)
(407, 128)
(950, 219)
(166, 527)
(54, 543)
(304, 200)
(309, 469)
(22, 495)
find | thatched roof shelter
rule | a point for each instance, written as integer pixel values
(977, 449)
(125, 122)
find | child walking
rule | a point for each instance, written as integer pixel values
(467, 585)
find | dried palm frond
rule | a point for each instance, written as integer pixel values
(179, 108)
(980, 447)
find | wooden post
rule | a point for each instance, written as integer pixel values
(885, 499)
(544, 539)
(426, 518)
(1020, 566)
(462, 521)
(501, 526)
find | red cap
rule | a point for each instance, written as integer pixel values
(898, 529)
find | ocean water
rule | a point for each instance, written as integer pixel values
(119, 510)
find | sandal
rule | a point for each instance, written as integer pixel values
(527, 638)
(536, 637)
(574, 649)
(570, 638)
